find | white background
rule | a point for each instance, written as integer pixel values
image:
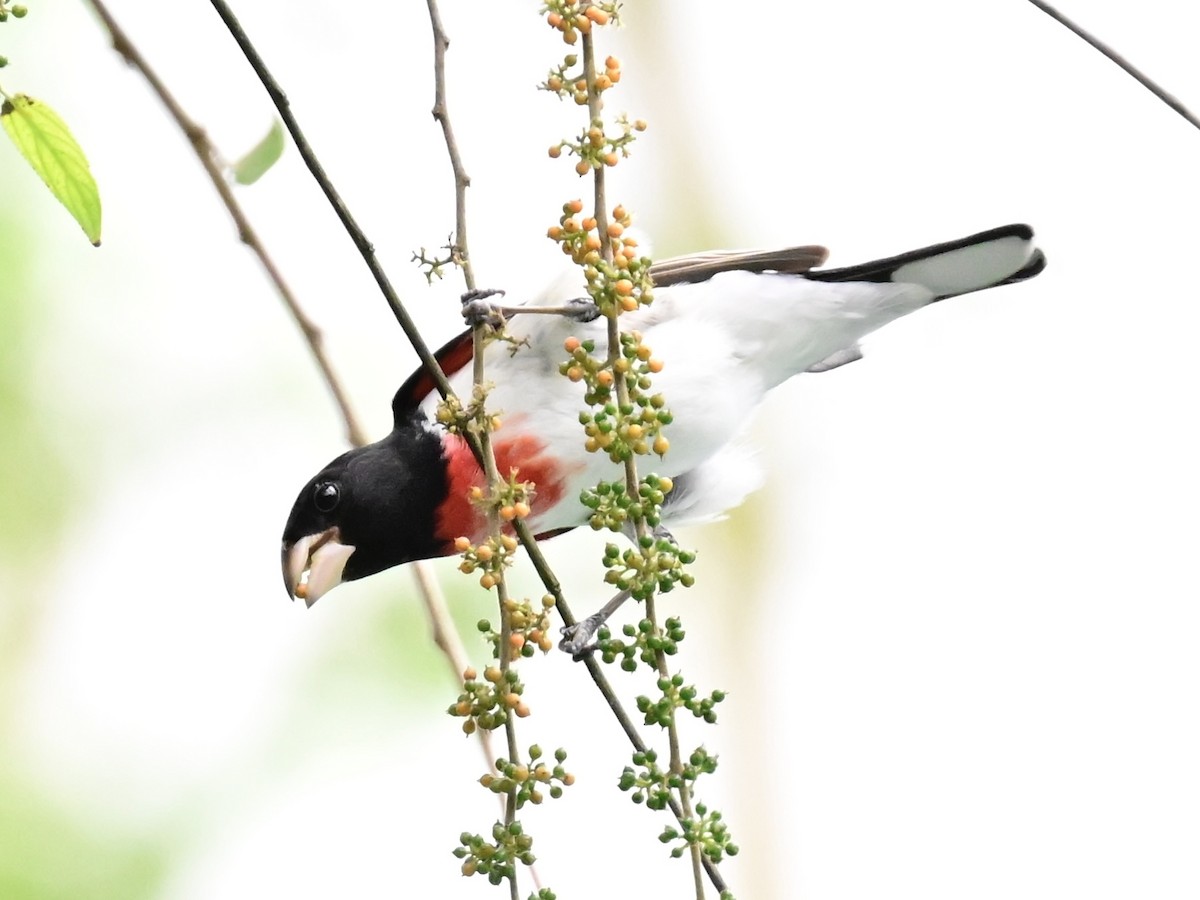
(958, 628)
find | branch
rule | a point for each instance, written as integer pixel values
(209, 159)
(1112, 54)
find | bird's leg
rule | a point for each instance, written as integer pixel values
(577, 638)
(477, 309)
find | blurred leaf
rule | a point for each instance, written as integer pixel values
(47, 144)
(49, 854)
(37, 483)
(262, 156)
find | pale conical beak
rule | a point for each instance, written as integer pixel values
(321, 557)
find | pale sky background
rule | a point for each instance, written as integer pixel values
(958, 628)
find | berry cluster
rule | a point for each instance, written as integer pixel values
(621, 429)
(656, 564)
(707, 831)
(486, 704)
(528, 628)
(458, 418)
(677, 695)
(647, 641)
(527, 780)
(576, 17)
(497, 859)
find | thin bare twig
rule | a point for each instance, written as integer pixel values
(212, 166)
(462, 181)
(1139, 76)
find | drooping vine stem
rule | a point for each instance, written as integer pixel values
(632, 481)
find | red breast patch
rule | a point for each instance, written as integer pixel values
(522, 453)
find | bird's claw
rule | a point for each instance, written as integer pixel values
(577, 638)
(582, 309)
(477, 309)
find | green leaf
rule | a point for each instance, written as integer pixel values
(261, 157)
(46, 143)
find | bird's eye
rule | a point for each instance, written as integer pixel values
(326, 496)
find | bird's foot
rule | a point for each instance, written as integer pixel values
(577, 638)
(581, 309)
(477, 309)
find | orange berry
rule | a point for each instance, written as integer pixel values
(571, 344)
(624, 287)
(462, 708)
(573, 206)
(661, 445)
(492, 675)
(619, 213)
(629, 252)
(614, 75)
(570, 36)
(581, 98)
(604, 378)
(554, 232)
(554, 83)
(469, 673)
(582, 167)
(610, 159)
(508, 542)
(654, 365)
(612, 63)
(517, 640)
(640, 125)
(555, 152)
(597, 15)
(570, 226)
(462, 544)
(584, 24)
(522, 710)
(603, 82)
(581, 85)
(475, 493)
(485, 552)
(554, 20)
(629, 304)
(508, 513)
(592, 242)
(589, 224)
(487, 581)
(574, 374)
(522, 509)
(615, 229)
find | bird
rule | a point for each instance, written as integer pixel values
(728, 325)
